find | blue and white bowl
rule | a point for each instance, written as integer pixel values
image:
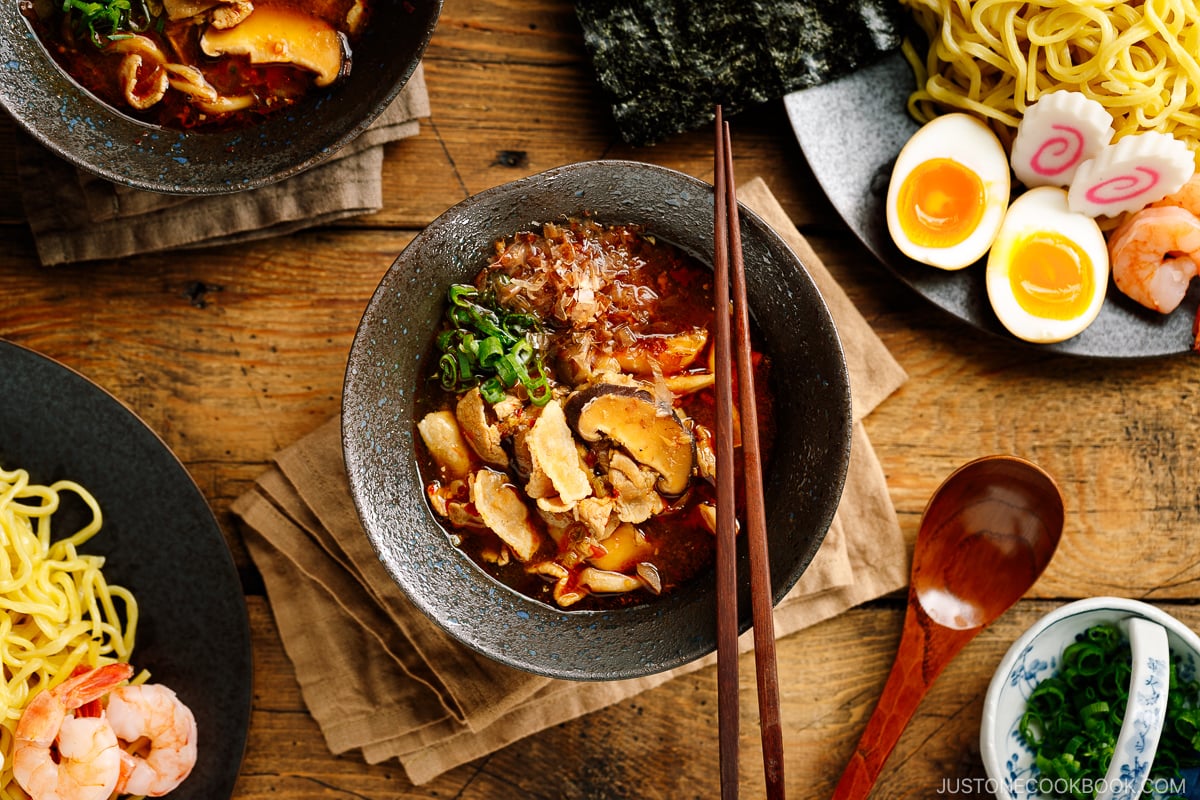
(1035, 656)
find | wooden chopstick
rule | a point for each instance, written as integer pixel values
(728, 244)
(727, 616)
(756, 519)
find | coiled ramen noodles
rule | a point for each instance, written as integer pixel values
(994, 58)
(59, 611)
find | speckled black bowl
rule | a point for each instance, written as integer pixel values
(388, 362)
(75, 125)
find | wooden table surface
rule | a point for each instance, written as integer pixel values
(233, 353)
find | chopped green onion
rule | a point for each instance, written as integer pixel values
(457, 291)
(1031, 728)
(489, 346)
(1073, 718)
(448, 370)
(490, 351)
(492, 390)
(539, 387)
(1087, 658)
(107, 20)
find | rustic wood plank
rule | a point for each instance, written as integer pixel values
(229, 354)
(535, 119)
(661, 745)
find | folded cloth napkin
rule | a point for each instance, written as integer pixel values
(380, 677)
(78, 216)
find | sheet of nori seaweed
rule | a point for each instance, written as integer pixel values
(666, 63)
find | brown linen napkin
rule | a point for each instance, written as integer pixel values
(379, 677)
(77, 216)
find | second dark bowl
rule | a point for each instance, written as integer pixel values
(76, 126)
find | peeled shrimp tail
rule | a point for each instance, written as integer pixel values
(153, 712)
(45, 713)
(60, 756)
(1154, 256)
(1188, 197)
(94, 684)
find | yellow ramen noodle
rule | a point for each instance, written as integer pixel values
(994, 58)
(58, 610)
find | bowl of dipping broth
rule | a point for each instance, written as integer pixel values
(527, 418)
(208, 97)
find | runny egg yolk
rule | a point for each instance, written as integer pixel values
(1051, 276)
(940, 203)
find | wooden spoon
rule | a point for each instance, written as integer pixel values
(986, 535)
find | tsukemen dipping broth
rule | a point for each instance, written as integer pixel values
(210, 65)
(568, 436)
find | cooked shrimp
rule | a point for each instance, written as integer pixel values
(152, 712)
(1188, 197)
(87, 763)
(1154, 256)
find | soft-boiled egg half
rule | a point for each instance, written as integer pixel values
(948, 192)
(1047, 272)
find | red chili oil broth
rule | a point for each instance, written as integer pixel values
(276, 86)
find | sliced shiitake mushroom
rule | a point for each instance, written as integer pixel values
(649, 430)
(278, 35)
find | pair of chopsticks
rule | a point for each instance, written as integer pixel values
(728, 251)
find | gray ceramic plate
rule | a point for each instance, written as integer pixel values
(852, 129)
(76, 126)
(389, 359)
(159, 539)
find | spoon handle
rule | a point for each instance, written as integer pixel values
(925, 648)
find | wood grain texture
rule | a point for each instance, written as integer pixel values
(232, 353)
(662, 745)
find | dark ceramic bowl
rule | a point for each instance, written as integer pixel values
(78, 127)
(388, 362)
(159, 539)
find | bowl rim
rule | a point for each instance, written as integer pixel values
(354, 460)
(989, 743)
(52, 108)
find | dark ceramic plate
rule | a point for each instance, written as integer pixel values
(852, 129)
(388, 361)
(159, 539)
(72, 123)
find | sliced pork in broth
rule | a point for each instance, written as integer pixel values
(569, 446)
